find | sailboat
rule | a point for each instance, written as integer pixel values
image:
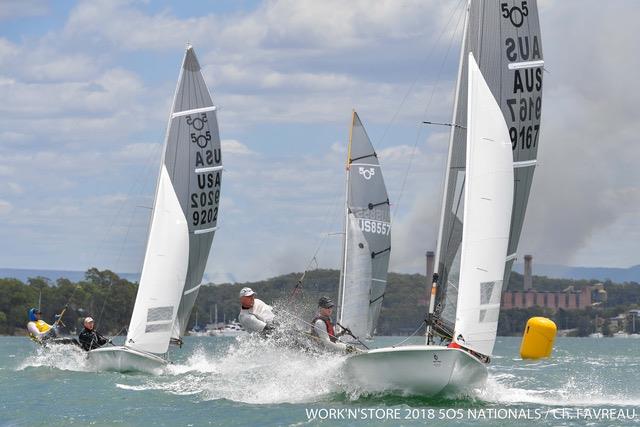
(183, 223)
(366, 240)
(492, 156)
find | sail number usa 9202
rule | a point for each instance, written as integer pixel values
(372, 226)
(204, 203)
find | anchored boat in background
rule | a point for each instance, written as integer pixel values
(183, 223)
(492, 155)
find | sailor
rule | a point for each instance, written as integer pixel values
(90, 338)
(39, 330)
(255, 315)
(323, 327)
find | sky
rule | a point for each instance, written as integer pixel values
(86, 88)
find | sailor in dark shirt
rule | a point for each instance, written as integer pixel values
(89, 338)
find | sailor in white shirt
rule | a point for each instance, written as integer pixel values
(255, 315)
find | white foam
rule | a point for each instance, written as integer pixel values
(251, 370)
(63, 357)
(508, 388)
(257, 371)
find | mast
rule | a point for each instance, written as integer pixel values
(343, 272)
(446, 172)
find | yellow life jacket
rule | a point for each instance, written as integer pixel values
(42, 326)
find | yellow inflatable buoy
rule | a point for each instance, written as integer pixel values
(538, 338)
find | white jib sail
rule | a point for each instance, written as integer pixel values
(487, 216)
(163, 273)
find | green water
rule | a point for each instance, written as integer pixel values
(229, 382)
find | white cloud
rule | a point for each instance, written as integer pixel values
(6, 170)
(128, 28)
(11, 187)
(111, 91)
(12, 9)
(5, 207)
(13, 137)
(232, 146)
(8, 50)
(82, 121)
(587, 173)
(398, 153)
(139, 151)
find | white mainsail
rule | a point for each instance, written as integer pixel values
(487, 216)
(367, 239)
(184, 216)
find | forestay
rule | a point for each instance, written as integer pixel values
(367, 241)
(184, 217)
(504, 37)
(487, 217)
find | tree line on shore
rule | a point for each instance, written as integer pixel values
(109, 299)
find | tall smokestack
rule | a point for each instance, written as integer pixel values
(528, 279)
(430, 261)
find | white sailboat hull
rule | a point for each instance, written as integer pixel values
(125, 359)
(417, 369)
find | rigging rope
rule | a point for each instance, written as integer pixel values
(145, 174)
(277, 309)
(415, 81)
(314, 259)
(423, 323)
(136, 182)
(433, 90)
(431, 50)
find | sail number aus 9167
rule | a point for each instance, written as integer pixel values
(527, 136)
(377, 227)
(524, 109)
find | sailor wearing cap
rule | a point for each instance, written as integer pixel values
(323, 328)
(90, 338)
(255, 315)
(38, 328)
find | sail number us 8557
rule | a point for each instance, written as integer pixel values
(377, 227)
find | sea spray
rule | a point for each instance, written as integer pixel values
(63, 357)
(253, 370)
(585, 391)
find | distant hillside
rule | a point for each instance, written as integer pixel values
(104, 295)
(23, 274)
(617, 275)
